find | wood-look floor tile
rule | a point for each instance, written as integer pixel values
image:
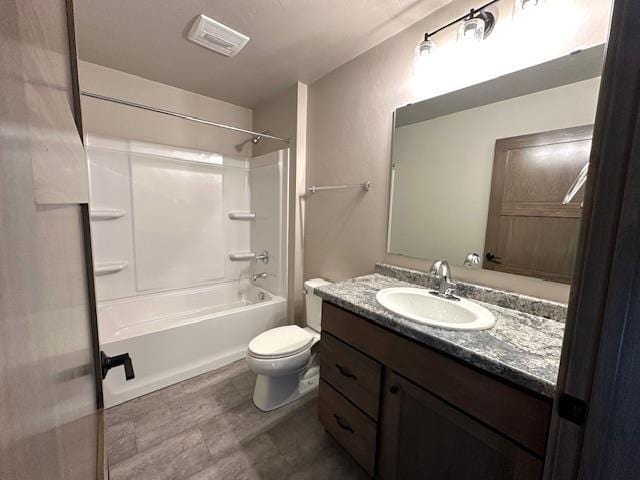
(243, 464)
(188, 411)
(232, 466)
(121, 441)
(244, 383)
(213, 378)
(246, 421)
(122, 448)
(300, 437)
(174, 459)
(208, 428)
(218, 398)
(133, 409)
(331, 463)
(119, 430)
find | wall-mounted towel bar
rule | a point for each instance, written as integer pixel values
(242, 215)
(107, 214)
(366, 186)
(109, 267)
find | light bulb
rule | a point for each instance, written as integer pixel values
(471, 30)
(524, 6)
(425, 48)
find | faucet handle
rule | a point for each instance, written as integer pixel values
(263, 257)
(450, 289)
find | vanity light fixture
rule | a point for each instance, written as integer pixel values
(524, 6)
(426, 47)
(477, 25)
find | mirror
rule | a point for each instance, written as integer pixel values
(484, 170)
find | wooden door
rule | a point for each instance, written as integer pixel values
(595, 427)
(422, 437)
(49, 387)
(529, 231)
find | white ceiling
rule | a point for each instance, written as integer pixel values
(291, 40)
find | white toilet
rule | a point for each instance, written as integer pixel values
(282, 357)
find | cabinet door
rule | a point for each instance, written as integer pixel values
(423, 437)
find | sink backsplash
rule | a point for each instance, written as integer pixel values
(514, 301)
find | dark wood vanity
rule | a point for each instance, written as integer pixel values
(404, 411)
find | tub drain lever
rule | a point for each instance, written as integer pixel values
(109, 362)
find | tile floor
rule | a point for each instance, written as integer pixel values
(207, 428)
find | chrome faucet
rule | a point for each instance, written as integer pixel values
(259, 275)
(441, 272)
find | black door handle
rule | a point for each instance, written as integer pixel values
(109, 362)
(492, 257)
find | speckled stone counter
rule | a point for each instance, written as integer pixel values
(522, 348)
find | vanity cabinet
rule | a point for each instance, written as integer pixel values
(404, 411)
(424, 437)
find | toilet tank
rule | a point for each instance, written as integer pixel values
(313, 302)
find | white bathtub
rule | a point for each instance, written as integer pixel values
(176, 335)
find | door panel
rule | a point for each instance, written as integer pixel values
(47, 74)
(529, 231)
(48, 407)
(546, 246)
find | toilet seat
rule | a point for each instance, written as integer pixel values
(280, 342)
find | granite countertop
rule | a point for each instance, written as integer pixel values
(522, 348)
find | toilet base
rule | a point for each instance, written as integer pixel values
(275, 392)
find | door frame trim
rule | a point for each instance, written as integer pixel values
(596, 358)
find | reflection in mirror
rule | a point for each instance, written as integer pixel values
(485, 170)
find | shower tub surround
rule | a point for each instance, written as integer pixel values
(523, 347)
(169, 291)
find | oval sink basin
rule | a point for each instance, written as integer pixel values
(420, 306)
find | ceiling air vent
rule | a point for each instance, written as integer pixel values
(216, 36)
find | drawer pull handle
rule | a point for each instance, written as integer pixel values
(346, 372)
(341, 423)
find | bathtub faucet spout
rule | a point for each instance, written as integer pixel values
(259, 275)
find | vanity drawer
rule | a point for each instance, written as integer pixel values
(349, 426)
(352, 373)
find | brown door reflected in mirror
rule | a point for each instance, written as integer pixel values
(529, 230)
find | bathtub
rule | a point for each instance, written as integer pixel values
(176, 335)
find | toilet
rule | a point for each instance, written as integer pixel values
(282, 359)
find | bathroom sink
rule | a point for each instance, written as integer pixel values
(422, 306)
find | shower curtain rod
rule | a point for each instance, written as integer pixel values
(179, 115)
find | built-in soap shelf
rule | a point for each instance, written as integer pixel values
(107, 214)
(106, 268)
(242, 256)
(248, 256)
(242, 215)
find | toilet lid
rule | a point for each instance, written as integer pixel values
(280, 342)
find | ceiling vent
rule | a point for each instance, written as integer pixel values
(216, 36)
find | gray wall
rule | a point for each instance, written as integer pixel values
(105, 118)
(285, 115)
